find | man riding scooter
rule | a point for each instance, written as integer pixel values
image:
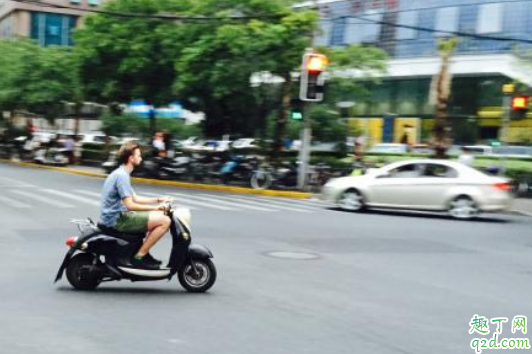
(126, 212)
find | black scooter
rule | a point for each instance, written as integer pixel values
(102, 254)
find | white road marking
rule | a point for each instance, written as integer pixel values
(215, 199)
(30, 195)
(72, 196)
(13, 203)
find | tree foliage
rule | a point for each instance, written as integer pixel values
(206, 64)
(37, 79)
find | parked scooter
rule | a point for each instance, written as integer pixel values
(103, 254)
(51, 156)
(237, 169)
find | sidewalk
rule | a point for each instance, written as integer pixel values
(522, 206)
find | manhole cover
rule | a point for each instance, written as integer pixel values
(292, 255)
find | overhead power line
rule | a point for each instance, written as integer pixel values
(172, 17)
(433, 30)
(437, 7)
(151, 16)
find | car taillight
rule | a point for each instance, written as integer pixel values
(502, 186)
(71, 241)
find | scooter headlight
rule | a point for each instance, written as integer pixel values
(184, 216)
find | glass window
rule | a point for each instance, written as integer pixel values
(407, 18)
(338, 31)
(408, 98)
(446, 20)
(323, 34)
(94, 2)
(361, 31)
(490, 18)
(405, 171)
(436, 170)
(52, 29)
(75, 1)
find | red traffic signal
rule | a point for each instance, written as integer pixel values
(520, 102)
(312, 77)
(519, 106)
(316, 63)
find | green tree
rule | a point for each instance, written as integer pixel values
(126, 58)
(216, 67)
(206, 64)
(37, 79)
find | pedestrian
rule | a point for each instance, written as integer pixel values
(159, 148)
(466, 157)
(78, 150)
(68, 145)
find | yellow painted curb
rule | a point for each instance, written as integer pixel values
(242, 190)
(55, 168)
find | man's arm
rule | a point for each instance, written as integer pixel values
(143, 200)
(132, 205)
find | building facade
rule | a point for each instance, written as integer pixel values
(408, 30)
(48, 24)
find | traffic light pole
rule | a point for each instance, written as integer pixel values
(304, 150)
(505, 123)
(311, 85)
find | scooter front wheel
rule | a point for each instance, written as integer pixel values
(200, 279)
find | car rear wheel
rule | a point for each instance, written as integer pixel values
(351, 200)
(463, 207)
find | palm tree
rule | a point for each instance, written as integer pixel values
(441, 139)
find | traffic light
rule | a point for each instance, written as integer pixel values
(519, 107)
(313, 77)
(296, 109)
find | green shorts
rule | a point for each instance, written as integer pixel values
(133, 221)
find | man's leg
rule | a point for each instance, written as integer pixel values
(158, 225)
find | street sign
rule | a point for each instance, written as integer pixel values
(508, 88)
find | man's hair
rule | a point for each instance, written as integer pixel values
(127, 150)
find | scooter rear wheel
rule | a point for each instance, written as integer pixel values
(201, 281)
(77, 273)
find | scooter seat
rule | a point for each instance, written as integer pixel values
(130, 237)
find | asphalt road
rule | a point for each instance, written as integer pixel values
(378, 282)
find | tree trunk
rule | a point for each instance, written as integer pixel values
(440, 126)
(443, 91)
(282, 118)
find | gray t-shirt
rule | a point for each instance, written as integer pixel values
(117, 186)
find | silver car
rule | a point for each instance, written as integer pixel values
(433, 185)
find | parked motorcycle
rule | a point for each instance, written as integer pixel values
(51, 156)
(237, 169)
(103, 254)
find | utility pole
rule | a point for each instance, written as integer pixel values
(508, 91)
